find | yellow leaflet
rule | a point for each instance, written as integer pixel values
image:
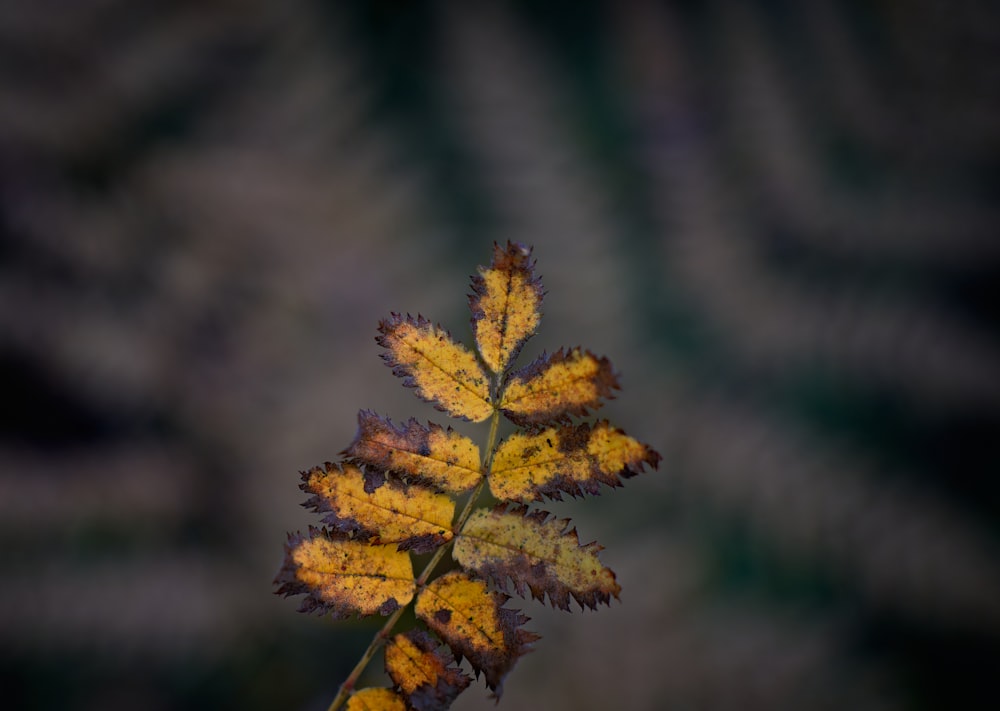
(466, 615)
(443, 372)
(439, 457)
(505, 305)
(574, 460)
(557, 386)
(536, 552)
(457, 607)
(376, 700)
(414, 662)
(345, 577)
(412, 517)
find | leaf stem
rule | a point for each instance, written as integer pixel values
(383, 634)
(348, 686)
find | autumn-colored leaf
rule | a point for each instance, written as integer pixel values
(537, 553)
(433, 455)
(423, 671)
(345, 577)
(574, 460)
(412, 517)
(505, 305)
(376, 699)
(474, 623)
(556, 386)
(442, 371)
(395, 493)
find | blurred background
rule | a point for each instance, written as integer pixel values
(779, 221)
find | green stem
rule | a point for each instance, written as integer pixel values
(348, 686)
(383, 634)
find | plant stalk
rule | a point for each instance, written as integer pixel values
(383, 634)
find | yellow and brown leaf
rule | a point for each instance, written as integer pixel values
(537, 553)
(423, 671)
(376, 699)
(472, 620)
(557, 386)
(505, 304)
(345, 577)
(412, 517)
(567, 459)
(435, 456)
(442, 372)
(394, 494)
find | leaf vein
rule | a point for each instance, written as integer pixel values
(553, 561)
(398, 512)
(441, 369)
(496, 642)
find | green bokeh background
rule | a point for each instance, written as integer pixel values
(779, 221)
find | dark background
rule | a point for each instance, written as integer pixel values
(779, 220)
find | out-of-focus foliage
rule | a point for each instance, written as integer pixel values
(779, 218)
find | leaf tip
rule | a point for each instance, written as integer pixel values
(506, 305)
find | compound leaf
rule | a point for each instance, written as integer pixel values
(438, 457)
(537, 552)
(376, 699)
(412, 517)
(345, 577)
(471, 619)
(505, 305)
(556, 386)
(423, 671)
(575, 460)
(442, 371)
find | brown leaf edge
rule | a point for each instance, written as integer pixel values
(377, 465)
(350, 528)
(401, 370)
(339, 527)
(573, 438)
(289, 584)
(525, 575)
(450, 684)
(517, 642)
(606, 382)
(515, 257)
